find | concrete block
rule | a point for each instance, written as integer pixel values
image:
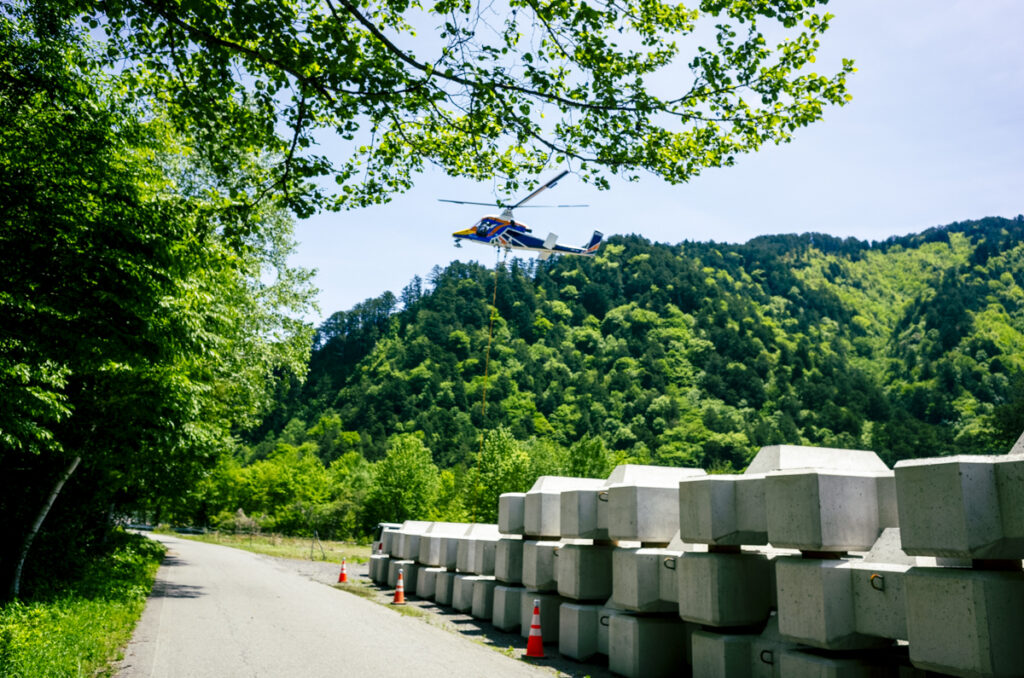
(549, 614)
(815, 510)
(426, 582)
(584, 572)
(721, 655)
(408, 544)
(806, 664)
(379, 568)
(505, 607)
(725, 589)
(966, 622)
(578, 518)
(543, 510)
(648, 646)
(726, 510)
(408, 567)
(483, 598)
(434, 545)
(539, 565)
(483, 556)
(604, 622)
(647, 510)
(462, 591)
(449, 552)
(389, 540)
(511, 512)
(766, 650)
(641, 582)
(577, 630)
(879, 599)
(445, 588)
(475, 537)
(508, 560)
(816, 608)
(962, 506)
(786, 457)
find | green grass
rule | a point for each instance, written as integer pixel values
(288, 547)
(79, 629)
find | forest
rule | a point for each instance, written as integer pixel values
(694, 354)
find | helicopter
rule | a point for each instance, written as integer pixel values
(505, 231)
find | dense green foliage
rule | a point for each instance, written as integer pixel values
(695, 354)
(75, 628)
(146, 315)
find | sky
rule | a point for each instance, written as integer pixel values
(934, 135)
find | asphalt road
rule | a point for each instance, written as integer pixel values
(221, 612)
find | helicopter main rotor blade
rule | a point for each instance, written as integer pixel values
(469, 202)
(550, 184)
(531, 207)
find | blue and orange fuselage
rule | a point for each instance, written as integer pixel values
(501, 232)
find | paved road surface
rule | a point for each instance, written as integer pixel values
(220, 612)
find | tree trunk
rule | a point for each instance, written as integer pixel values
(27, 544)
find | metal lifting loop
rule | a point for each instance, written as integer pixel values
(602, 495)
(604, 620)
(670, 562)
(767, 656)
(877, 582)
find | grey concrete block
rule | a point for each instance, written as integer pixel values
(511, 512)
(445, 588)
(766, 651)
(539, 565)
(879, 599)
(802, 664)
(816, 606)
(389, 541)
(962, 506)
(966, 622)
(394, 565)
(433, 550)
(584, 572)
(577, 630)
(604, 622)
(725, 510)
(477, 536)
(636, 580)
(578, 518)
(648, 647)
(543, 511)
(787, 457)
(508, 560)
(407, 546)
(426, 582)
(647, 510)
(824, 510)
(721, 655)
(379, 569)
(483, 598)
(549, 614)
(505, 607)
(462, 591)
(725, 589)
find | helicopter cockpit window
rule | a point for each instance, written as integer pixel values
(482, 227)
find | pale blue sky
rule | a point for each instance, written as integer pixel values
(934, 134)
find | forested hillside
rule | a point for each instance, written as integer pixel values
(693, 354)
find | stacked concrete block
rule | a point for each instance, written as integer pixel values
(583, 629)
(445, 588)
(436, 550)
(584, 571)
(644, 506)
(406, 544)
(480, 538)
(795, 663)
(726, 589)
(645, 579)
(505, 607)
(511, 512)
(508, 559)
(739, 655)
(543, 503)
(379, 568)
(549, 604)
(965, 622)
(409, 569)
(462, 591)
(539, 565)
(649, 647)
(483, 597)
(426, 582)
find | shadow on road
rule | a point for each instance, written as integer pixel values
(163, 589)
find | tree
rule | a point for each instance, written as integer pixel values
(405, 483)
(501, 91)
(145, 319)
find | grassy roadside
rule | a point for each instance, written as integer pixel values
(288, 547)
(79, 627)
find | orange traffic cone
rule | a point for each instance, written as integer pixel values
(343, 577)
(399, 590)
(535, 643)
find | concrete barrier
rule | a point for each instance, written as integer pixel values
(649, 647)
(643, 580)
(462, 591)
(483, 597)
(511, 512)
(644, 507)
(407, 540)
(478, 537)
(577, 630)
(725, 589)
(584, 571)
(539, 565)
(426, 582)
(435, 549)
(543, 504)
(505, 607)
(549, 614)
(508, 560)
(445, 588)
